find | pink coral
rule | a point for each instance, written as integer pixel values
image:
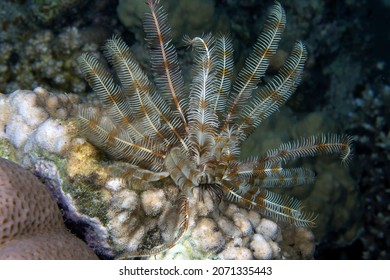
(31, 226)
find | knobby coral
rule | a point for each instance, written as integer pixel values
(194, 136)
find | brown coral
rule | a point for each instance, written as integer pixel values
(31, 225)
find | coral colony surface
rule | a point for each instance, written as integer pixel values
(31, 223)
(165, 176)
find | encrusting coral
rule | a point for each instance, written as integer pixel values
(31, 226)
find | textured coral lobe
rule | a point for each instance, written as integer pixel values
(194, 137)
(31, 226)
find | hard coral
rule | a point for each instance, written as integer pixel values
(33, 119)
(31, 225)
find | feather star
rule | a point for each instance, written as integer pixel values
(195, 136)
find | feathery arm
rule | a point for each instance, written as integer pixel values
(165, 65)
(275, 93)
(257, 62)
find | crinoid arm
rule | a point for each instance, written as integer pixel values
(248, 182)
(224, 69)
(257, 62)
(311, 146)
(202, 120)
(275, 93)
(118, 142)
(165, 65)
(278, 207)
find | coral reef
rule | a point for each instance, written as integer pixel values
(116, 215)
(132, 230)
(31, 226)
(48, 59)
(346, 78)
(369, 122)
(45, 11)
(32, 55)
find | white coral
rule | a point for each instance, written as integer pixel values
(26, 122)
(153, 201)
(268, 228)
(261, 248)
(207, 236)
(50, 136)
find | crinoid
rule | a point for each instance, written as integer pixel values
(194, 136)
